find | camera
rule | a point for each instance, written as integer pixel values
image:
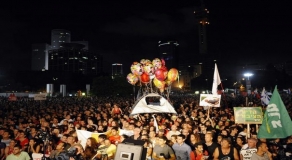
(44, 135)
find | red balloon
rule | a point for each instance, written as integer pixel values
(163, 62)
(145, 78)
(161, 74)
(164, 68)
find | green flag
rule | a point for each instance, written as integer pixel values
(276, 122)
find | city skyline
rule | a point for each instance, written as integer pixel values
(239, 32)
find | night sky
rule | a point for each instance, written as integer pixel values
(125, 31)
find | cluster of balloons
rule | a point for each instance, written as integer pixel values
(155, 71)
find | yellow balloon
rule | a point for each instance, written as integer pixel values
(172, 74)
(168, 82)
(159, 84)
(132, 78)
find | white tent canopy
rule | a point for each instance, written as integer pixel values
(152, 103)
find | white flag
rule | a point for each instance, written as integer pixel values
(83, 135)
(155, 124)
(264, 97)
(216, 80)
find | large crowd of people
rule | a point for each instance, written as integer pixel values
(50, 127)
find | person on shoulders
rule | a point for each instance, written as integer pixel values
(116, 111)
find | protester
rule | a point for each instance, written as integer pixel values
(210, 144)
(225, 151)
(18, 154)
(56, 120)
(262, 152)
(199, 153)
(162, 150)
(61, 147)
(181, 149)
(248, 149)
(90, 148)
(106, 150)
(33, 147)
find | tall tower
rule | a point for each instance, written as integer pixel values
(168, 50)
(202, 16)
(59, 36)
(205, 59)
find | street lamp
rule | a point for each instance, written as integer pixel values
(248, 75)
(248, 84)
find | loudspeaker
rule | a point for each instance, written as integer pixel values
(128, 152)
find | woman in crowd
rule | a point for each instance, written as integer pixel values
(9, 149)
(33, 147)
(194, 138)
(219, 138)
(240, 141)
(90, 148)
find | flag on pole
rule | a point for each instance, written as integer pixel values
(216, 80)
(155, 124)
(276, 122)
(265, 97)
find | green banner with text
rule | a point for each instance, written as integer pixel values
(248, 115)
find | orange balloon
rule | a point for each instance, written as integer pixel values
(172, 74)
(159, 84)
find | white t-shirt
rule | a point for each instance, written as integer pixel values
(247, 153)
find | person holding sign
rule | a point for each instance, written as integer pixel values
(246, 152)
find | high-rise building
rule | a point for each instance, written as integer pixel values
(168, 50)
(58, 37)
(205, 59)
(202, 19)
(117, 70)
(73, 58)
(39, 57)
